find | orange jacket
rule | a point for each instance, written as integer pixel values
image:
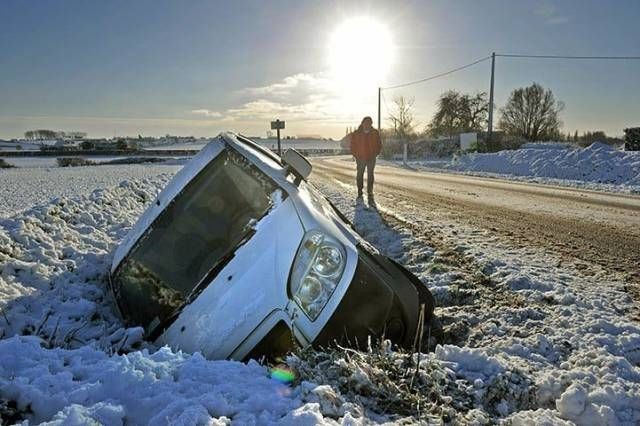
(365, 146)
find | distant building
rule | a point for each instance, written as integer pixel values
(468, 140)
(74, 136)
(132, 144)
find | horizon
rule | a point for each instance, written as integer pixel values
(155, 68)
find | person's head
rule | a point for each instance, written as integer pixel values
(366, 124)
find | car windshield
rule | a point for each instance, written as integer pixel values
(199, 230)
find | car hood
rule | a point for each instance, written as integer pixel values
(249, 288)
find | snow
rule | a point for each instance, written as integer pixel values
(164, 387)
(599, 166)
(32, 161)
(24, 188)
(51, 161)
(66, 357)
(548, 145)
(572, 401)
(25, 146)
(540, 342)
(529, 337)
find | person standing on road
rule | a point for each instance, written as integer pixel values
(365, 147)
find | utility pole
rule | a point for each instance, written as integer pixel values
(279, 147)
(379, 118)
(493, 68)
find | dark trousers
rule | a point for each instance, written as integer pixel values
(360, 166)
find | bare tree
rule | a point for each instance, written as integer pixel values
(41, 134)
(402, 118)
(458, 113)
(532, 113)
(476, 112)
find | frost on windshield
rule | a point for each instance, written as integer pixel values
(196, 234)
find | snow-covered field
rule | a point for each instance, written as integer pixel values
(47, 162)
(26, 146)
(598, 166)
(26, 187)
(528, 338)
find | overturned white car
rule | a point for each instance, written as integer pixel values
(240, 257)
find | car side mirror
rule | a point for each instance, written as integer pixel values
(297, 164)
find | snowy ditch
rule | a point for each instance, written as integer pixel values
(526, 338)
(543, 340)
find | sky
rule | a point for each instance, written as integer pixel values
(154, 67)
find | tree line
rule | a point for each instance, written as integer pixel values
(530, 113)
(44, 134)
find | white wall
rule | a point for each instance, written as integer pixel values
(467, 139)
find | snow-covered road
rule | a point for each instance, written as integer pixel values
(595, 228)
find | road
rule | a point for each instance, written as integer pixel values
(585, 227)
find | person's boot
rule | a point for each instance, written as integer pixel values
(359, 193)
(371, 199)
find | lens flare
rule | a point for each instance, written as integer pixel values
(283, 375)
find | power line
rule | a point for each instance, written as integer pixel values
(506, 55)
(511, 55)
(492, 57)
(433, 77)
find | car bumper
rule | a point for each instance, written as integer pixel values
(382, 301)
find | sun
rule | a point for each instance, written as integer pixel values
(360, 54)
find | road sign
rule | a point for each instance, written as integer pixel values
(277, 125)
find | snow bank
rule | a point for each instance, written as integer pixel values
(67, 359)
(548, 145)
(598, 163)
(137, 388)
(53, 264)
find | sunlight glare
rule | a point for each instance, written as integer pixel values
(360, 53)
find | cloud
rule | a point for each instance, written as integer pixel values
(263, 109)
(207, 113)
(298, 97)
(549, 13)
(290, 85)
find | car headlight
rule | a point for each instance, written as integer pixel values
(316, 272)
